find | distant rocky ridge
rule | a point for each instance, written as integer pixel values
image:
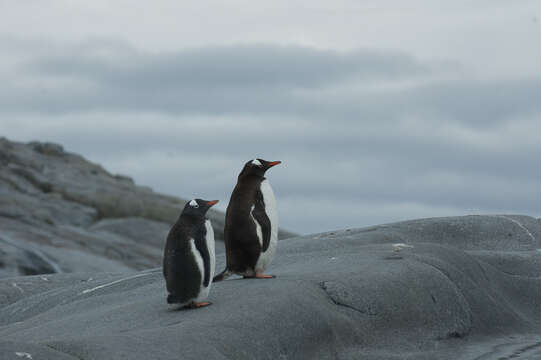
(61, 213)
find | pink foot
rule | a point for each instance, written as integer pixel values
(195, 305)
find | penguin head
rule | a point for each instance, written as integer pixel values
(197, 207)
(257, 167)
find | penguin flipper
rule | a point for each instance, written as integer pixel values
(262, 219)
(222, 276)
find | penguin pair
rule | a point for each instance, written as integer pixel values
(250, 236)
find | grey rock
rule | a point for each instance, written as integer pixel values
(11, 352)
(47, 148)
(24, 260)
(420, 289)
(77, 215)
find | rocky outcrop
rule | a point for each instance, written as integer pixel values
(62, 213)
(443, 288)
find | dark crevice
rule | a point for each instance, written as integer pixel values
(454, 334)
(517, 275)
(14, 184)
(34, 262)
(483, 270)
(10, 215)
(45, 187)
(64, 352)
(174, 323)
(520, 353)
(323, 286)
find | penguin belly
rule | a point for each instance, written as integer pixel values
(203, 291)
(265, 258)
(209, 239)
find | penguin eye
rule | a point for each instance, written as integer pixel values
(194, 204)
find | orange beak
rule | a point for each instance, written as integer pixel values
(272, 163)
(213, 202)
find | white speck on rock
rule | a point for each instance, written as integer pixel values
(18, 288)
(400, 246)
(113, 283)
(44, 278)
(24, 354)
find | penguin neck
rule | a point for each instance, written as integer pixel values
(251, 178)
(191, 221)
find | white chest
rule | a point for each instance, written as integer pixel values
(266, 257)
(209, 238)
(270, 206)
(211, 247)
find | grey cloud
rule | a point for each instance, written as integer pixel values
(385, 169)
(479, 102)
(238, 79)
(351, 139)
(397, 147)
(233, 66)
(293, 81)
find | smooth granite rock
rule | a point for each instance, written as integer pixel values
(62, 213)
(443, 288)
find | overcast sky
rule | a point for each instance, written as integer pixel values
(379, 110)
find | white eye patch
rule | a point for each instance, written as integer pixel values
(256, 162)
(194, 204)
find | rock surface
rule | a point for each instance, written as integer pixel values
(443, 288)
(62, 213)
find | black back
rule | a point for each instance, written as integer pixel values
(240, 232)
(180, 269)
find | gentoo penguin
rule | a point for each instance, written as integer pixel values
(188, 259)
(251, 223)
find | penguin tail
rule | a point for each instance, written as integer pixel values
(173, 299)
(222, 276)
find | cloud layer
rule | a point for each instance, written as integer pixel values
(365, 136)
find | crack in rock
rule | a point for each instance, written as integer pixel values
(336, 301)
(63, 352)
(519, 224)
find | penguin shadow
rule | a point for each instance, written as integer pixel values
(256, 278)
(239, 277)
(189, 307)
(184, 314)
